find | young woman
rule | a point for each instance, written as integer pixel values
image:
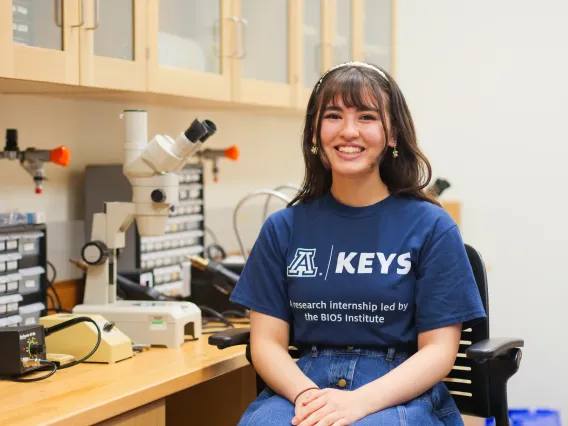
(363, 272)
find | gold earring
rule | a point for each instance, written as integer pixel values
(394, 152)
(314, 146)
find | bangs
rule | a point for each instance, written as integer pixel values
(355, 88)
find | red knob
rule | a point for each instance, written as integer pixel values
(60, 155)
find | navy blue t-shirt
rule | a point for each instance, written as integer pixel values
(366, 276)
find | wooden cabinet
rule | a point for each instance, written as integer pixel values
(243, 52)
(40, 40)
(113, 44)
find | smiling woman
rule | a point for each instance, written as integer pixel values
(358, 122)
(388, 261)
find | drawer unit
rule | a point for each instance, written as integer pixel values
(23, 260)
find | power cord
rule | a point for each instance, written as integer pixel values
(36, 379)
(54, 329)
(221, 317)
(69, 323)
(50, 283)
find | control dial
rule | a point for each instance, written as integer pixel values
(158, 196)
(95, 253)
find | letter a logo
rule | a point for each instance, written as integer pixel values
(303, 264)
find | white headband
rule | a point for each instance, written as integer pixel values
(349, 63)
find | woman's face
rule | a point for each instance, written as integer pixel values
(352, 139)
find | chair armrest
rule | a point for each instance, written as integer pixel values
(489, 349)
(230, 337)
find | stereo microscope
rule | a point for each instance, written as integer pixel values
(151, 168)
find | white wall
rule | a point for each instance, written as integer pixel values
(486, 82)
(269, 156)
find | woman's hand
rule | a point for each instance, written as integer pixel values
(327, 407)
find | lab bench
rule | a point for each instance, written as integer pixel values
(196, 384)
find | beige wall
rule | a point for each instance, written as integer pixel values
(269, 145)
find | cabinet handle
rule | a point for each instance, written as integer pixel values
(97, 7)
(244, 24)
(217, 24)
(80, 24)
(57, 12)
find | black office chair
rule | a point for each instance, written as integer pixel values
(478, 380)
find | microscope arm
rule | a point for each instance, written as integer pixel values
(108, 235)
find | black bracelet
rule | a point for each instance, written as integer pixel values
(305, 390)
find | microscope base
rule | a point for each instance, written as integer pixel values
(153, 323)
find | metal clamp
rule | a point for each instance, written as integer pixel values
(242, 201)
(97, 7)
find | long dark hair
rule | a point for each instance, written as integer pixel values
(357, 85)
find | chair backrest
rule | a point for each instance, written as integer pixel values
(468, 381)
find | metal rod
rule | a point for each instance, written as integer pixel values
(278, 188)
(242, 201)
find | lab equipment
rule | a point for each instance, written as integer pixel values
(32, 159)
(78, 340)
(439, 186)
(222, 278)
(159, 261)
(151, 168)
(24, 350)
(278, 188)
(23, 274)
(247, 197)
(232, 153)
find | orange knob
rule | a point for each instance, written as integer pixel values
(232, 152)
(60, 156)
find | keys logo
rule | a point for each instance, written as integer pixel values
(303, 264)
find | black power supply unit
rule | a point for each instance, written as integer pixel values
(21, 349)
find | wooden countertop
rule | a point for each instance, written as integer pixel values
(89, 393)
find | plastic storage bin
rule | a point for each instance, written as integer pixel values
(10, 304)
(531, 418)
(31, 313)
(10, 321)
(29, 243)
(9, 283)
(9, 262)
(31, 279)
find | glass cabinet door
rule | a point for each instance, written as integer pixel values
(38, 23)
(342, 36)
(113, 28)
(263, 33)
(113, 44)
(312, 42)
(191, 48)
(39, 40)
(189, 35)
(378, 33)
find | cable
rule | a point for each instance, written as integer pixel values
(69, 323)
(51, 285)
(36, 379)
(213, 236)
(216, 315)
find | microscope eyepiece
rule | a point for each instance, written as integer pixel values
(211, 129)
(200, 130)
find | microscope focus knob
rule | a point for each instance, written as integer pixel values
(158, 195)
(95, 253)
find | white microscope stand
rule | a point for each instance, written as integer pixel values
(155, 189)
